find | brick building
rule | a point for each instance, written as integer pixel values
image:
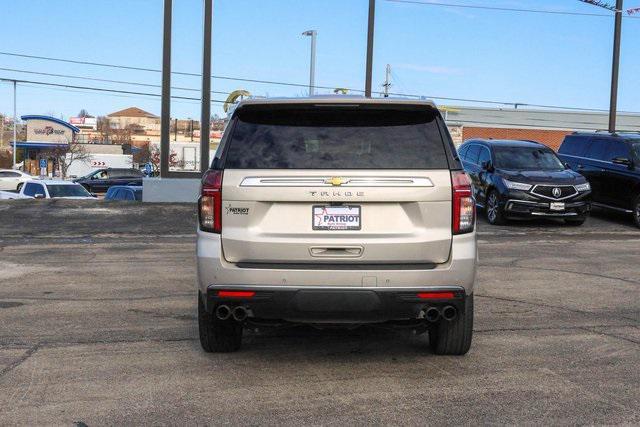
(546, 126)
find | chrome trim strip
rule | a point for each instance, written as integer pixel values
(325, 181)
(602, 205)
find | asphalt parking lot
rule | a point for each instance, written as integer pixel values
(98, 326)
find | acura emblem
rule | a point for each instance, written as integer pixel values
(556, 192)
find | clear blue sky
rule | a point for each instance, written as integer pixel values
(433, 50)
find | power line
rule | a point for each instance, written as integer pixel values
(508, 9)
(98, 89)
(104, 80)
(407, 95)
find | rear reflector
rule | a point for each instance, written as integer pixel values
(236, 294)
(436, 295)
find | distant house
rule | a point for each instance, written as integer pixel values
(136, 117)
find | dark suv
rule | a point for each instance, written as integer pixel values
(611, 163)
(100, 180)
(523, 179)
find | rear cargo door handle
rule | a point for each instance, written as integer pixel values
(336, 251)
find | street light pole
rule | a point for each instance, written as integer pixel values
(615, 67)
(312, 68)
(372, 14)
(165, 103)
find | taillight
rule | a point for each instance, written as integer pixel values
(210, 202)
(464, 207)
(436, 295)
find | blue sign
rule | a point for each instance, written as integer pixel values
(148, 168)
(43, 163)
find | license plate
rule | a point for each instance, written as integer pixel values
(336, 217)
(556, 206)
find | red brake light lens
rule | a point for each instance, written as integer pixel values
(210, 202)
(436, 295)
(236, 294)
(464, 207)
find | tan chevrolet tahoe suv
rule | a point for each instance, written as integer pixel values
(336, 211)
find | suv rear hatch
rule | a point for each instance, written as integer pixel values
(330, 184)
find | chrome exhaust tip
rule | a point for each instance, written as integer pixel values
(449, 313)
(239, 313)
(223, 312)
(432, 314)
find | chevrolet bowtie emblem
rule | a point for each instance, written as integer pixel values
(336, 181)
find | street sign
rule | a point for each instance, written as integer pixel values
(148, 168)
(43, 163)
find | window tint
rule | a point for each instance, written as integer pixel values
(485, 156)
(597, 149)
(331, 138)
(574, 146)
(125, 173)
(31, 189)
(473, 153)
(462, 152)
(67, 190)
(8, 174)
(635, 152)
(617, 148)
(526, 158)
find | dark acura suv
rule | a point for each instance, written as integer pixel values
(523, 180)
(101, 180)
(611, 163)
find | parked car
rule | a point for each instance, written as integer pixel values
(100, 180)
(11, 179)
(49, 189)
(524, 180)
(611, 163)
(336, 211)
(124, 192)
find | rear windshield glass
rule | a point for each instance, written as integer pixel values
(67, 191)
(344, 138)
(525, 158)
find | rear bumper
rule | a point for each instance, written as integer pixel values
(336, 305)
(459, 270)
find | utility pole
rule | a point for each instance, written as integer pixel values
(205, 108)
(369, 66)
(15, 124)
(312, 67)
(165, 103)
(613, 106)
(387, 83)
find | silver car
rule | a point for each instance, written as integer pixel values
(336, 211)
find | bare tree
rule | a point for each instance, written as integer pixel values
(84, 113)
(65, 155)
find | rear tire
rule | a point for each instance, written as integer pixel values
(576, 222)
(636, 212)
(492, 209)
(219, 336)
(453, 337)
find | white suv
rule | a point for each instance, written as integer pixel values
(336, 211)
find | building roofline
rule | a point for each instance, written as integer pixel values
(51, 119)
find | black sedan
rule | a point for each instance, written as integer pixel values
(101, 180)
(523, 180)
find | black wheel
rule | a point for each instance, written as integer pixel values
(636, 212)
(495, 216)
(453, 337)
(220, 336)
(19, 187)
(576, 222)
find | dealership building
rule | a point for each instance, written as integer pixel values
(44, 135)
(546, 126)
